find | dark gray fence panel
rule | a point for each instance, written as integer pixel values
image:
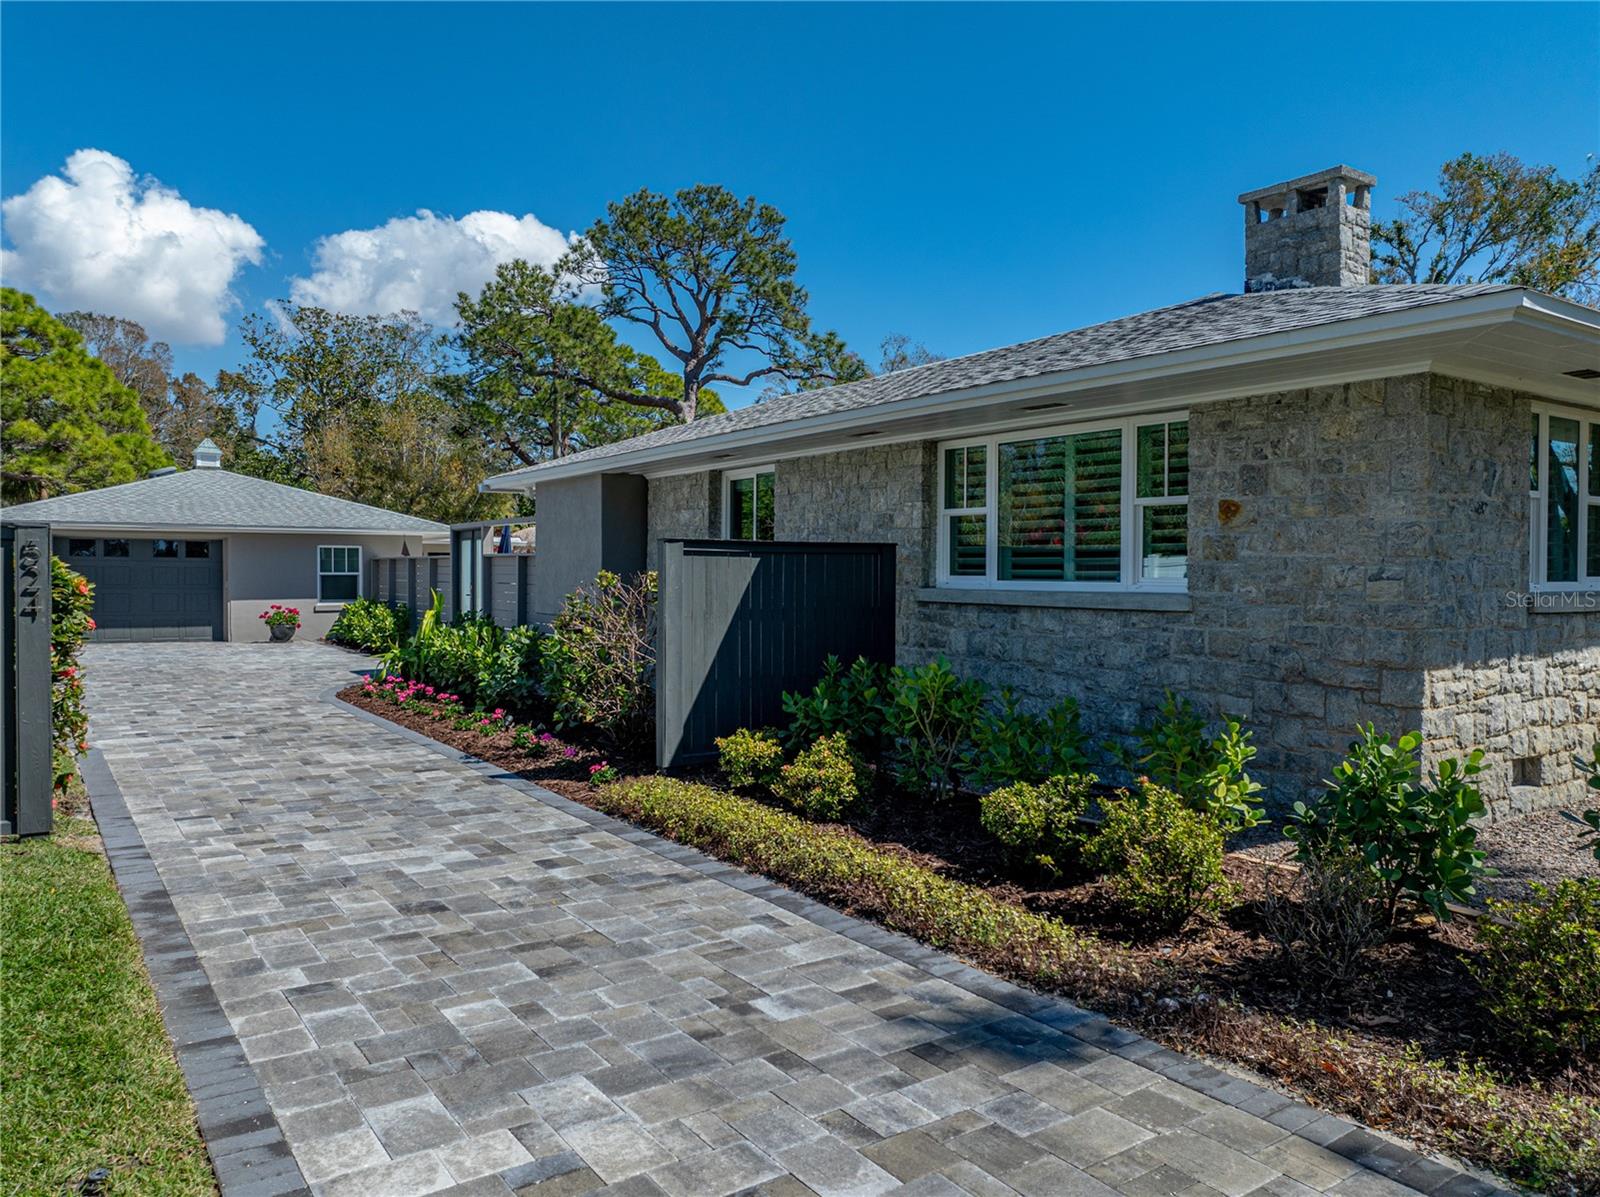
(741, 622)
(410, 580)
(25, 662)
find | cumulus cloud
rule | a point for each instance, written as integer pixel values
(418, 263)
(97, 237)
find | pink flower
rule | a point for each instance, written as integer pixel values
(569, 752)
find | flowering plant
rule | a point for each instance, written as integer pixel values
(603, 773)
(278, 615)
(71, 599)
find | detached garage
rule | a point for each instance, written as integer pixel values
(198, 554)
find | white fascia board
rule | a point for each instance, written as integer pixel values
(1390, 328)
(157, 531)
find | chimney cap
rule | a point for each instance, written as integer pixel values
(207, 456)
(1350, 174)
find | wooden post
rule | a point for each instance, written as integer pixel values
(28, 770)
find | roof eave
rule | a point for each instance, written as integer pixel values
(1292, 346)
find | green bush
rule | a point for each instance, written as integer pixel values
(1540, 969)
(1011, 745)
(931, 719)
(823, 781)
(1418, 838)
(750, 758)
(1164, 858)
(851, 701)
(473, 658)
(835, 865)
(1038, 824)
(1206, 771)
(71, 600)
(369, 625)
(597, 664)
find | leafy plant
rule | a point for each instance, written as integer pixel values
(822, 782)
(370, 625)
(472, 657)
(598, 662)
(1012, 745)
(750, 758)
(1590, 840)
(931, 719)
(1038, 823)
(1540, 969)
(1417, 838)
(851, 701)
(1207, 771)
(71, 600)
(1164, 858)
(1326, 917)
(279, 616)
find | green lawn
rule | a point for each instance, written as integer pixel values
(87, 1077)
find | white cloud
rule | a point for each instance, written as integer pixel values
(418, 263)
(98, 238)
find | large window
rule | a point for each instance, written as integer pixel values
(748, 503)
(1564, 499)
(1099, 506)
(338, 573)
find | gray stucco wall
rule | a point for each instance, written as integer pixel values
(1352, 550)
(264, 568)
(585, 525)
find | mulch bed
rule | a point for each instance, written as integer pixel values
(1417, 990)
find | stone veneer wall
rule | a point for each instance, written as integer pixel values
(1353, 553)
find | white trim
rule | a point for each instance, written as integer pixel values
(1539, 507)
(729, 477)
(155, 531)
(359, 571)
(1130, 566)
(1472, 314)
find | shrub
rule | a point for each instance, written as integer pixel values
(1207, 772)
(833, 864)
(750, 758)
(507, 671)
(598, 662)
(369, 625)
(1540, 969)
(1164, 858)
(1417, 838)
(71, 600)
(822, 781)
(1325, 917)
(1038, 823)
(851, 701)
(931, 717)
(1011, 745)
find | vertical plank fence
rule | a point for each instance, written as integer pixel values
(740, 622)
(409, 580)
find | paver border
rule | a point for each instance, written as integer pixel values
(248, 1152)
(1386, 1156)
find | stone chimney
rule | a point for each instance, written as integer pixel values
(207, 456)
(1314, 231)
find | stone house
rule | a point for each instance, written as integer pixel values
(1315, 503)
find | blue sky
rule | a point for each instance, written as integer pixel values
(969, 176)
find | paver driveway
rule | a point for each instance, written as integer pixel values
(445, 983)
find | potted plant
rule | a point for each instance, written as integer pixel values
(281, 621)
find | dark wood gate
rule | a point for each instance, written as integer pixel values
(740, 622)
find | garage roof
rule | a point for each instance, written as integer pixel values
(214, 500)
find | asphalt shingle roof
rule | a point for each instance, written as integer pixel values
(215, 499)
(1210, 320)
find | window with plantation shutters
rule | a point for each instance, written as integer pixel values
(1103, 506)
(1564, 500)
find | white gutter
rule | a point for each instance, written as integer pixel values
(146, 530)
(1457, 315)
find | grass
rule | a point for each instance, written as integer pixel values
(87, 1076)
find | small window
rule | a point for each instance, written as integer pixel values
(338, 573)
(966, 510)
(80, 548)
(116, 548)
(1162, 496)
(1564, 501)
(197, 548)
(749, 504)
(165, 548)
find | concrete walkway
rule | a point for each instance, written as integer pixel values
(445, 983)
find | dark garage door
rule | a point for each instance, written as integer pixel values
(165, 589)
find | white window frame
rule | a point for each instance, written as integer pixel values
(1539, 507)
(1131, 524)
(729, 477)
(356, 549)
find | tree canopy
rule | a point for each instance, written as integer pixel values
(69, 424)
(1496, 219)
